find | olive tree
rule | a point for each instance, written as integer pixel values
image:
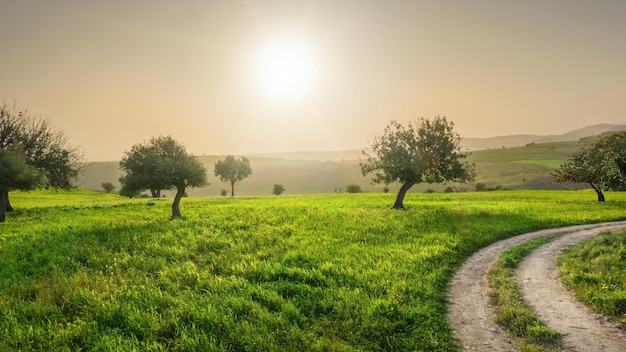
(232, 170)
(16, 174)
(172, 168)
(602, 165)
(43, 147)
(426, 150)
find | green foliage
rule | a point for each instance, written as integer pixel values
(602, 165)
(232, 170)
(353, 188)
(108, 187)
(511, 312)
(42, 147)
(161, 163)
(223, 192)
(595, 271)
(296, 273)
(15, 174)
(424, 151)
(278, 189)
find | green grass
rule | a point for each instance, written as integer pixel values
(305, 273)
(511, 312)
(595, 270)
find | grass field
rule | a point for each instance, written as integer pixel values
(302, 273)
(596, 271)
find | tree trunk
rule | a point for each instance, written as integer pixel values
(7, 203)
(180, 191)
(156, 193)
(399, 204)
(598, 192)
(3, 207)
(232, 189)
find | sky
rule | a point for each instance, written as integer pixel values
(249, 77)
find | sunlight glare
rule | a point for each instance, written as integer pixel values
(286, 69)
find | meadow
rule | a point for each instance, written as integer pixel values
(595, 270)
(291, 273)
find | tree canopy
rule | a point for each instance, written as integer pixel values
(232, 170)
(16, 174)
(426, 150)
(43, 147)
(601, 165)
(161, 163)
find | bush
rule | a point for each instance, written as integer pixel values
(278, 189)
(223, 192)
(353, 188)
(480, 187)
(449, 189)
(430, 190)
(108, 187)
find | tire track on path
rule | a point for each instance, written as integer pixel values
(542, 289)
(469, 312)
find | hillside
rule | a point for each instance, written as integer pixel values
(527, 166)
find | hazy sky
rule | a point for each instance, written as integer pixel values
(243, 77)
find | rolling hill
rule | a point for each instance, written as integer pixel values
(527, 166)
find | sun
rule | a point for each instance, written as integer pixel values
(285, 69)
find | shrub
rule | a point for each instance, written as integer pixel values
(353, 188)
(278, 189)
(107, 187)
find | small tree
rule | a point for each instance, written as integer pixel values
(16, 174)
(173, 168)
(353, 188)
(601, 165)
(424, 151)
(232, 170)
(108, 187)
(278, 189)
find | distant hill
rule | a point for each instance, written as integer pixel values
(516, 162)
(522, 140)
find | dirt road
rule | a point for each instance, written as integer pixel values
(469, 312)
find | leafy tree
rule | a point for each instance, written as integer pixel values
(424, 151)
(232, 170)
(172, 166)
(108, 187)
(43, 147)
(601, 165)
(353, 188)
(16, 174)
(278, 189)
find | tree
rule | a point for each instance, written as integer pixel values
(16, 174)
(278, 189)
(232, 170)
(353, 188)
(108, 187)
(43, 147)
(172, 167)
(601, 165)
(424, 151)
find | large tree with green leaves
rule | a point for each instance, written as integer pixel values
(169, 164)
(16, 174)
(232, 170)
(602, 165)
(426, 150)
(44, 148)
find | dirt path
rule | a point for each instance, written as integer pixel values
(541, 288)
(469, 312)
